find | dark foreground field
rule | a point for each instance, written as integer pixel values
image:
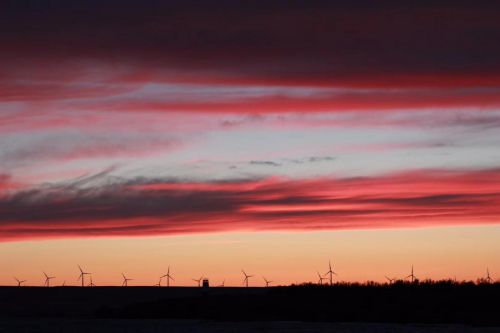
(281, 308)
(77, 301)
(80, 325)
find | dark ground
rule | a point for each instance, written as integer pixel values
(423, 307)
(78, 302)
(80, 325)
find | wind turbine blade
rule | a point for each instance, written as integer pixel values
(79, 278)
(326, 274)
(330, 264)
(124, 276)
(244, 272)
(171, 277)
(80, 268)
(45, 274)
(334, 273)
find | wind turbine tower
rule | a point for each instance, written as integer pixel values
(169, 277)
(390, 280)
(125, 281)
(19, 283)
(82, 276)
(246, 277)
(320, 281)
(413, 277)
(331, 273)
(199, 281)
(91, 284)
(47, 280)
(488, 278)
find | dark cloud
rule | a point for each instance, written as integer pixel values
(320, 158)
(312, 159)
(265, 163)
(106, 205)
(333, 43)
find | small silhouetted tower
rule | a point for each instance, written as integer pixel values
(206, 287)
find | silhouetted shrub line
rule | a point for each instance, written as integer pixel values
(430, 302)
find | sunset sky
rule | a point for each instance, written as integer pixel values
(272, 136)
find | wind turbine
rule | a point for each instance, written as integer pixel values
(330, 272)
(222, 285)
(64, 283)
(199, 281)
(246, 277)
(413, 277)
(82, 276)
(19, 282)
(47, 280)
(320, 281)
(91, 284)
(159, 283)
(169, 277)
(488, 278)
(125, 280)
(390, 280)
(267, 282)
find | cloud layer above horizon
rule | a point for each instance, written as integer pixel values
(170, 117)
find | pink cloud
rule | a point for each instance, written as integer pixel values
(413, 199)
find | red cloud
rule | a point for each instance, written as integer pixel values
(422, 198)
(7, 186)
(372, 100)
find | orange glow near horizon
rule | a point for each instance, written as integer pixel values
(285, 258)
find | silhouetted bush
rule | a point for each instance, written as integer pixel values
(424, 301)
